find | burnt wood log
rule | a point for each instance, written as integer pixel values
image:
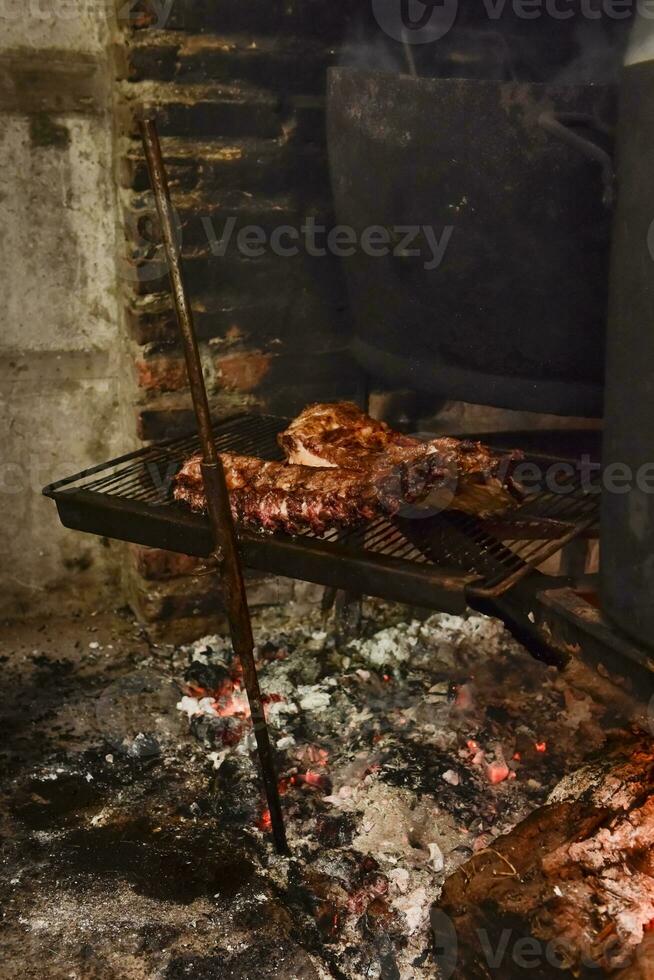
(570, 891)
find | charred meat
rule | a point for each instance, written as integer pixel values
(274, 496)
(344, 468)
(341, 434)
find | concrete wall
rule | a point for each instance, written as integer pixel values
(63, 369)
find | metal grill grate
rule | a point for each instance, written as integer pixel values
(420, 558)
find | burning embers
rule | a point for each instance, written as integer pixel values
(400, 757)
(576, 877)
(478, 732)
(216, 692)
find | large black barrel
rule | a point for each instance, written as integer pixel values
(515, 313)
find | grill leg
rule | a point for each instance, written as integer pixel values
(348, 614)
(347, 610)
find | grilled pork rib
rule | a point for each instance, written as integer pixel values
(341, 434)
(345, 468)
(277, 497)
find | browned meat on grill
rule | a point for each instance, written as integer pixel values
(340, 434)
(275, 496)
(337, 435)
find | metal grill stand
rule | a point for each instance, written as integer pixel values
(225, 553)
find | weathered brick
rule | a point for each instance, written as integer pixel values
(293, 381)
(321, 18)
(162, 373)
(288, 66)
(164, 423)
(204, 222)
(252, 165)
(156, 60)
(284, 64)
(203, 111)
(245, 371)
(199, 596)
(269, 377)
(274, 325)
(286, 283)
(263, 591)
(171, 414)
(238, 87)
(223, 117)
(177, 599)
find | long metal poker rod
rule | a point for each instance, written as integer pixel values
(222, 524)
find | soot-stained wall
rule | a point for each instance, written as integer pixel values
(64, 373)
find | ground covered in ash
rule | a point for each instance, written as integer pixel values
(136, 840)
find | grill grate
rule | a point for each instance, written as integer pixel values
(421, 558)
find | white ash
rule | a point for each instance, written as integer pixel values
(196, 706)
(313, 698)
(414, 906)
(435, 737)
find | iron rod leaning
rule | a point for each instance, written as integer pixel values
(220, 515)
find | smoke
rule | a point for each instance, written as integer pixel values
(581, 51)
(368, 48)
(600, 54)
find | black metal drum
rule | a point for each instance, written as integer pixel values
(499, 296)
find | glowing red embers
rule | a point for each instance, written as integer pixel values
(464, 700)
(265, 821)
(232, 703)
(497, 772)
(312, 780)
(540, 746)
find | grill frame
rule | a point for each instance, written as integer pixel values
(437, 561)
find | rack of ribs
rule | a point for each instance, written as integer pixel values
(272, 496)
(344, 468)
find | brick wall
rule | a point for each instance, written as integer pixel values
(239, 92)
